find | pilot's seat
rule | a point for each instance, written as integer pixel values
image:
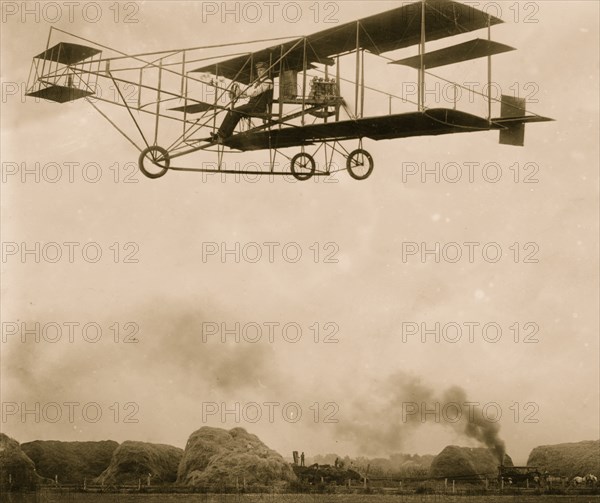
(264, 107)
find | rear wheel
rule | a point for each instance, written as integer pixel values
(360, 164)
(303, 166)
(154, 162)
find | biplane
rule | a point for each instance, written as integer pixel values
(312, 105)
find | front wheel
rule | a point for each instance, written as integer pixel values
(157, 157)
(303, 166)
(360, 164)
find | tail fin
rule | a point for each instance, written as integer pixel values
(514, 134)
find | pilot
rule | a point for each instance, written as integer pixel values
(260, 92)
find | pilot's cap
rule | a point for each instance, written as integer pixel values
(262, 65)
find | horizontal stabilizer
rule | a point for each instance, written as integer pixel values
(61, 82)
(67, 53)
(60, 94)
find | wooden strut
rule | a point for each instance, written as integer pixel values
(129, 110)
(139, 89)
(489, 72)
(304, 66)
(220, 151)
(113, 124)
(422, 54)
(362, 84)
(272, 157)
(356, 86)
(216, 102)
(185, 102)
(337, 86)
(280, 104)
(158, 102)
(329, 160)
(47, 46)
(327, 80)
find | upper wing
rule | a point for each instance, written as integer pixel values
(387, 31)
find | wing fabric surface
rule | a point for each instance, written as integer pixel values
(387, 31)
(432, 122)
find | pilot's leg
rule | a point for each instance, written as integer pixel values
(228, 125)
(232, 118)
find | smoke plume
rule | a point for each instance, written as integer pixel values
(382, 419)
(172, 362)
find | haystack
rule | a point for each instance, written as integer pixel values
(71, 462)
(569, 459)
(468, 464)
(214, 456)
(17, 471)
(132, 461)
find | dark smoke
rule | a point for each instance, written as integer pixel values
(376, 422)
(175, 343)
(475, 425)
(170, 346)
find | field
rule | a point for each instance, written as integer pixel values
(55, 497)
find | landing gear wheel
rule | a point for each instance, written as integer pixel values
(303, 166)
(360, 164)
(157, 156)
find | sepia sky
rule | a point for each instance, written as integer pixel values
(360, 285)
